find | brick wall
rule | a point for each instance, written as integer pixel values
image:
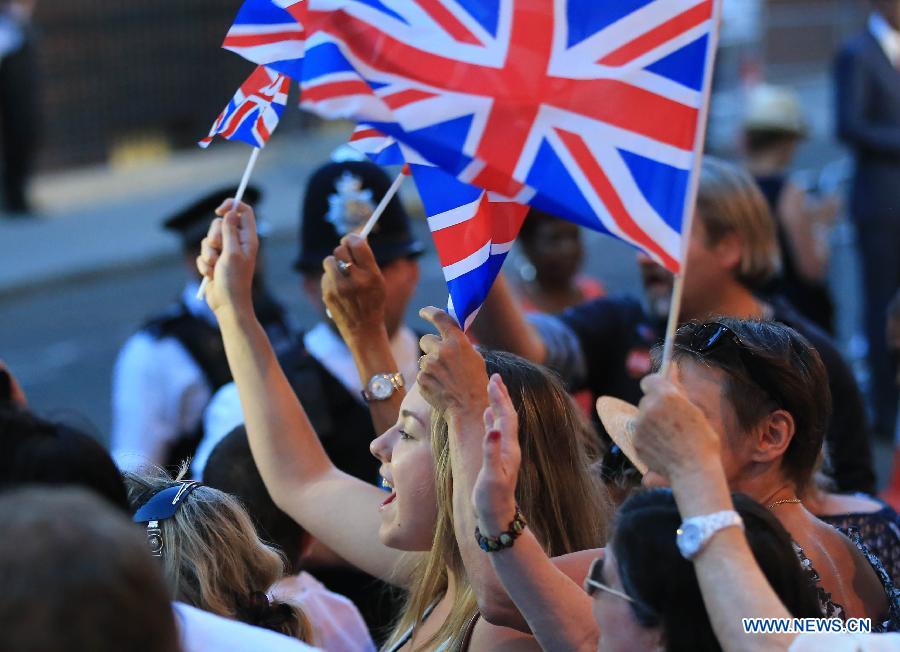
(801, 36)
(119, 70)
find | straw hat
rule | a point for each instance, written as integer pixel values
(619, 418)
(774, 108)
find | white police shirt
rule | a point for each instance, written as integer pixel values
(158, 393)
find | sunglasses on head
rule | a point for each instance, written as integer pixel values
(594, 582)
(161, 506)
(716, 336)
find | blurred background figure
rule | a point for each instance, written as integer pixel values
(773, 127)
(38, 451)
(867, 77)
(166, 372)
(18, 104)
(552, 278)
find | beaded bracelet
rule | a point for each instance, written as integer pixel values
(504, 539)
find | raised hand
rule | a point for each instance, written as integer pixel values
(353, 288)
(228, 257)
(452, 374)
(494, 494)
(672, 436)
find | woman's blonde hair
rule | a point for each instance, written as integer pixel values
(729, 201)
(566, 508)
(213, 559)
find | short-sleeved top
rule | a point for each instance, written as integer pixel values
(604, 345)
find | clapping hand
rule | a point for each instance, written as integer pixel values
(494, 494)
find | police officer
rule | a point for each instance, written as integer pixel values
(166, 373)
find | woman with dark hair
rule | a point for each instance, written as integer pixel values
(37, 451)
(764, 388)
(551, 279)
(645, 590)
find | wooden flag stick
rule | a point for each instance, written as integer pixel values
(239, 195)
(382, 205)
(690, 203)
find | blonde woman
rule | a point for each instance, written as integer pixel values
(407, 536)
(211, 555)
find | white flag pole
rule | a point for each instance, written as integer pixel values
(691, 198)
(239, 195)
(382, 205)
(376, 214)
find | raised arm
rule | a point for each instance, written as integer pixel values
(334, 507)
(556, 608)
(453, 380)
(355, 299)
(675, 440)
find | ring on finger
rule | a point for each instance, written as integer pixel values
(344, 267)
(422, 361)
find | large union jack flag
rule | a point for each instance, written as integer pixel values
(588, 110)
(254, 111)
(592, 111)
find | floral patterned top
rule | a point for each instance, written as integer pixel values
(880, 532)
(832, 609)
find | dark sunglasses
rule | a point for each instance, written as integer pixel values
(713, 336)
(594, 582)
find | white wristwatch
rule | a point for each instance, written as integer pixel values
(694, 532)
(382, 386)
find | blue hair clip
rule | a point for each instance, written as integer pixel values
(161, 506)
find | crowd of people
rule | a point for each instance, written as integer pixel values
(544, 481)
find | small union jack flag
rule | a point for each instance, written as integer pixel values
(254, 111)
